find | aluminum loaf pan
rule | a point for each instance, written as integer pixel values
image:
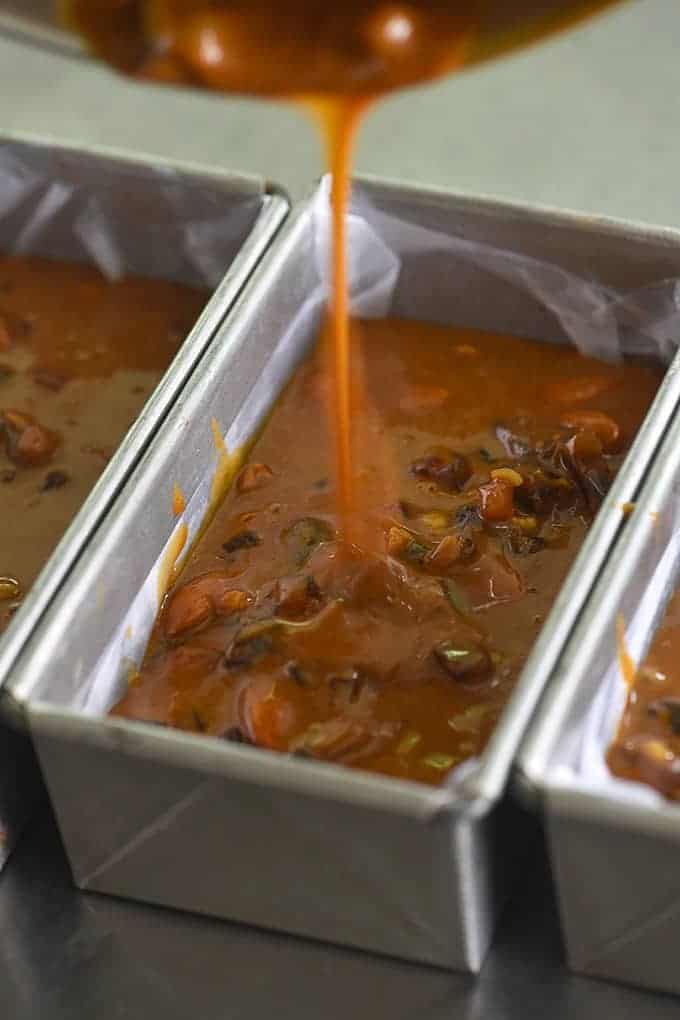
(240, 833)
(614, 856)
(137, 215)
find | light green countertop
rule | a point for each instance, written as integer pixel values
(588, 121)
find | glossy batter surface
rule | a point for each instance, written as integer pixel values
(79, 356)
(336, 60)
(647, 745)
(480, 463)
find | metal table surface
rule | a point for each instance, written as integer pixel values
(67, 955)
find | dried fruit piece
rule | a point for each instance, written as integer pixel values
(604, 427)
(497, 500)
(507, 474)
(297, 596)
(9, 589)
(232, 601)
(450, 550)
(200, 600)
(253, 476)
(29, 444)
(585, 447)
(54, 480)
(268, 716)
(668, 709)
(524, 544)
(189, 608)
(398, 540)
(447, 469)
(527, 525)
(333, 738)
(247, 539)
(493, 579)
(464, 661)
(435, 520)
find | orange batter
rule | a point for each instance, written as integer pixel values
(481, 461)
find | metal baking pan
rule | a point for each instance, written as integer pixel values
(151, 217)
(240, 833)
(614, 856)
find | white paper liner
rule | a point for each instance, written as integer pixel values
(123, 217)
(600, 322)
